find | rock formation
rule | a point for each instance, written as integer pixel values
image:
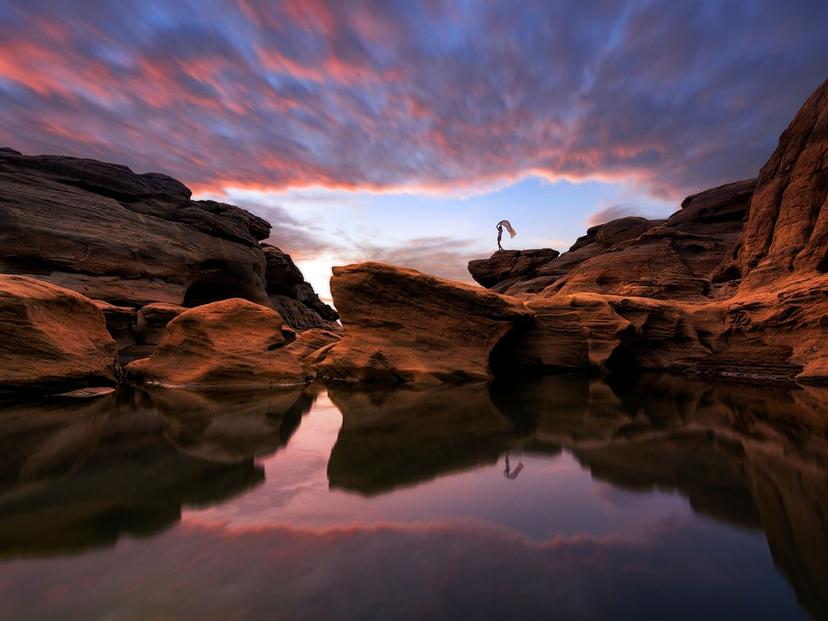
(404, 326)
(734, 284)
(294, 298)
(684, 257)
(506, 267)
(133, 240)
(229, 343)
(51, 339)
(786, 234)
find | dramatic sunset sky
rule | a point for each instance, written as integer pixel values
(403, 131)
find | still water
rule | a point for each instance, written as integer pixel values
(560, 497)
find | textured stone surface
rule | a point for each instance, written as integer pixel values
(51, 339)
(132, 240)
(125, 238)
(229, 343)
(734, 284)
(787, 229)
(609, 333)
(405, 326)
(505, 267)
(294, 298)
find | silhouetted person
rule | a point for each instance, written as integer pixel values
(509, 228)
(508, 472)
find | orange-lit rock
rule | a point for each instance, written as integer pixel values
(229, 343)
(405, 326)
(51, 339)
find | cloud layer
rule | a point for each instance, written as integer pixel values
(394, 94)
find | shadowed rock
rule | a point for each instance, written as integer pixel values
(125, 238)
(506, 267)
(294, 298)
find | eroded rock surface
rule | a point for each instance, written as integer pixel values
(401, 325)
(125, 238)
(294, 298)
(229, 343)
(734, 284)
(134, 240)
(506, 267)
(51, 339)
(787, 230)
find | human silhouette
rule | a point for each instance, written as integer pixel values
(508, 472)
(509, 228)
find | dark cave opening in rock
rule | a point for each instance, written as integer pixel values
(215, 288)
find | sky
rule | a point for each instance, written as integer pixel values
(403, 131)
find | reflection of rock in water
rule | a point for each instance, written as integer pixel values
(231, 427)
(79, 475)
(752, 457)
(395, 436)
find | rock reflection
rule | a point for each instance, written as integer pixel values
(77, 474)
(393, 437)
(232, 427)
(750, 456)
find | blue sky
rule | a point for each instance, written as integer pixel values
(403, 131)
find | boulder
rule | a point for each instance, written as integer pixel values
(294, 298)
(52, 339)
(507, 266)
(228, 343)
(405, 326)
(137, 332)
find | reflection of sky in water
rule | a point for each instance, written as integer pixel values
(467, 543)
(551, 496)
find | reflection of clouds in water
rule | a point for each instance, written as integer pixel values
(448, 570)
(637, 499)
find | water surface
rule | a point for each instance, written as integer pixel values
(560, 497)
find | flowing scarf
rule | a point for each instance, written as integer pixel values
(508, 226)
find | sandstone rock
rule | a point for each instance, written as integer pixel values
(686, 257)
(310, 341)
(609, 333)
(128, 239)
(152, 319)
(294, 298)
(787, 228)
(779, 334)
(506, 266)
(405, 326)
(229, 343)
(137, 332)
(51, 339)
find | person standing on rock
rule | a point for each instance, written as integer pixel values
(509, 228)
